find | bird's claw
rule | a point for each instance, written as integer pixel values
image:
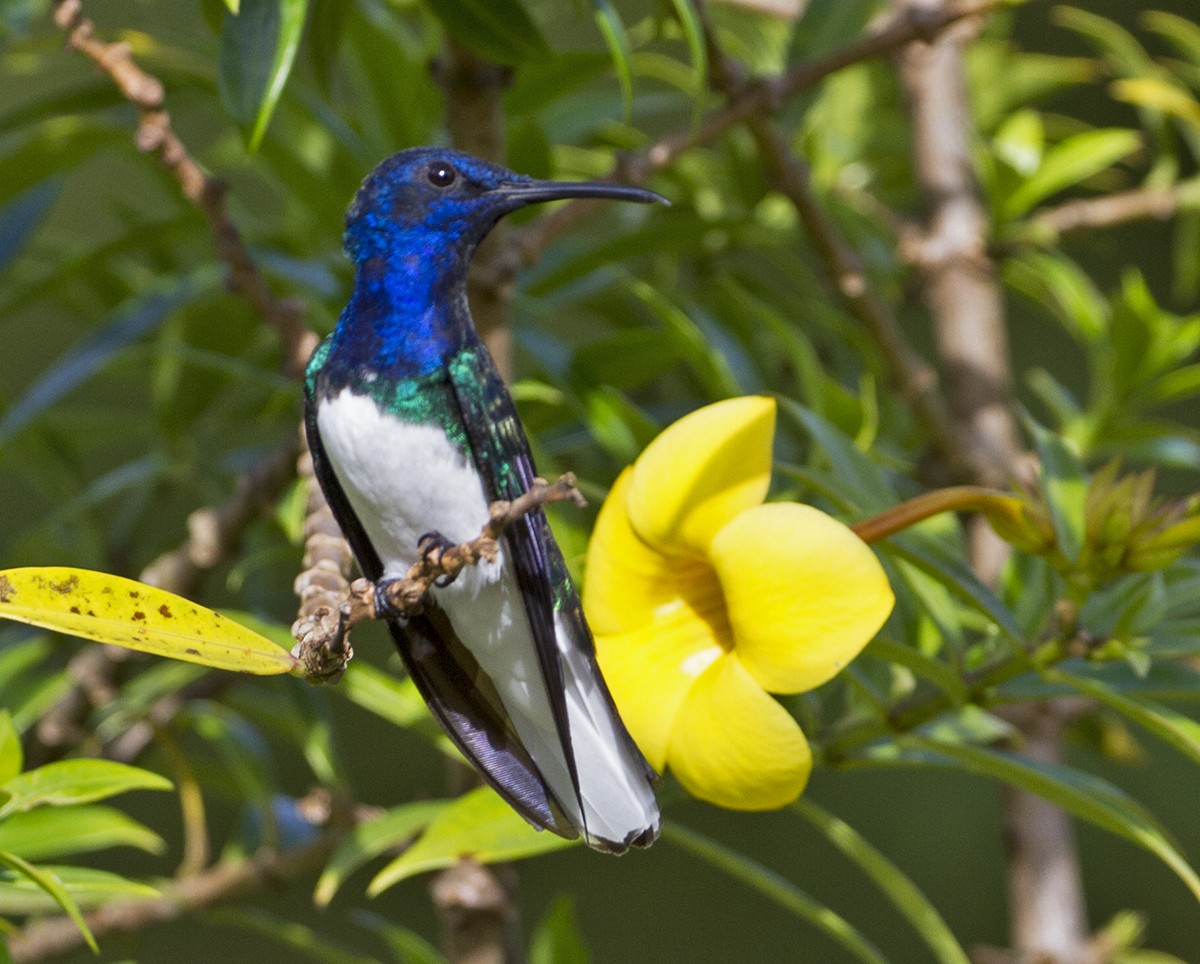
(431, 546)
(383, 602)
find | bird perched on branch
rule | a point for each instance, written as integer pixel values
(413, 434)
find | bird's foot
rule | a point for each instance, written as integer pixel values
(431, 546)
(384, 607)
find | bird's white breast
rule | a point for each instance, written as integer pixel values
(402, 479)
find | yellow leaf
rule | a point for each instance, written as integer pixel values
(122, 612)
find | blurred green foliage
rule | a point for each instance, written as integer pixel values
(135, 388)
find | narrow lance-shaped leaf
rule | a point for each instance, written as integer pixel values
(1081, 794)
(84, 886)
(66, 782)
(11, 756)
(122, 612)
(138, 316)
(1064, 480)
(408, 946)
(1182, 732)
(557, 939)
(771, 885)
(45, 880)
(55, 832)
(1066, 164)
(368, 840)
(303, 941)
(258, 47)
(903, 893)
(478, 823)
(693, 33)
(617, 40)
(501, 30)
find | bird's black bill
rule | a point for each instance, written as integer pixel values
(531, 192)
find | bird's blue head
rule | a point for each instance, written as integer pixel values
(411, 231)
(436, 204)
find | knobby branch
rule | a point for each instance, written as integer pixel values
(323, 637)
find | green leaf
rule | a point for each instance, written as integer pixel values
(1119, 46)
(296, 937)
(22, 216)
(1160, 95)
(557, 939)
(1182, 33)
(776, 888)
(140, 315)
(1057, 285)
(1021, 140)
(368, 840)
(61, 143)
(479, 824)
(860, 481)
(903, 893)
(941, 675)
(122, 612)
(408, 946)
(12, 758)
(23, 876)
(53, 832)
(1086, 796)
(501, 30)
(1182, 732)
(1064, 481)
(395, 699)
(83, 886)
(258, 47)
(1070, 162)
(693, 33)
(617, 40)
(939, 561)
(66, 782)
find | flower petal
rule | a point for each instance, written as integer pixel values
(650, 672)
(734, 746)
(804, 593)
(626, 581)
(701, 472)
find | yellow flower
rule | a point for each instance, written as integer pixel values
(704, 600)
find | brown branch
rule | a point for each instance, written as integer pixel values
(1141, 204)
(761, 97)
(958, 278)
(225, 881)
(964, 298)
(157, 137)
(322, 644)
(910, 374)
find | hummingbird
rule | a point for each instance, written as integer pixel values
(413, 433)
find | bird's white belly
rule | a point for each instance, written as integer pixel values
(402, 479)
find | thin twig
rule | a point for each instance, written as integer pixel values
(1141, 204)
(322, 636)
(761, 97)
(157, 137)
(213, 533)
(911, 375)
(964, 298)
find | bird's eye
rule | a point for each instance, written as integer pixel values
(442, 174)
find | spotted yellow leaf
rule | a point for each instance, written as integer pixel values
(111, 609)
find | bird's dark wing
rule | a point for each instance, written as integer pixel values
(457, 691)
(504, 461)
